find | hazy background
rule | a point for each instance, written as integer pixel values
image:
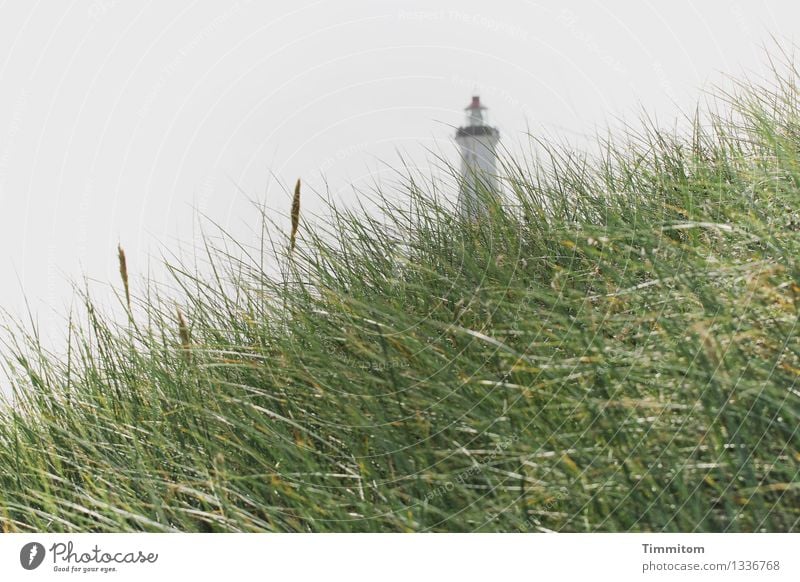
(120, 119)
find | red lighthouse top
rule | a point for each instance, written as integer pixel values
(475, 115)
(476, 103)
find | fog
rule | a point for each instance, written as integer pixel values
(121, 121)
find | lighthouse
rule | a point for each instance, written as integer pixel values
(477, 141)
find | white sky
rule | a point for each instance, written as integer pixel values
(119, 118)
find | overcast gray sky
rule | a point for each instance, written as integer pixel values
(119, 118)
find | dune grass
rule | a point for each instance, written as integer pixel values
(614, 347)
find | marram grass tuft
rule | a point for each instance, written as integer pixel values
(614, 347)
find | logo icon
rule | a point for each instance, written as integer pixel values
(31, 555)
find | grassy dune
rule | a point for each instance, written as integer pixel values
(616, 349)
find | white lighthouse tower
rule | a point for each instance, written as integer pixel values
(477, 141)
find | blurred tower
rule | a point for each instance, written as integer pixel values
(477, 141)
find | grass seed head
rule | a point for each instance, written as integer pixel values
(123, 272)
(183, 329)
(295, 214)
